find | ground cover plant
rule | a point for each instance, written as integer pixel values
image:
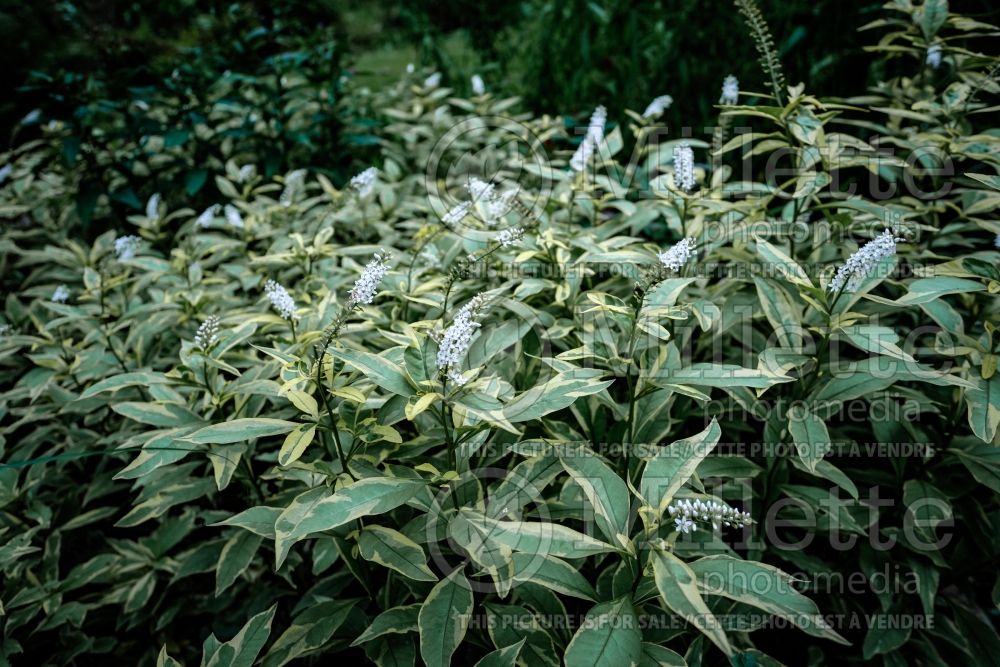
(524, 389)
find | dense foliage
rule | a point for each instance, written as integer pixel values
(524, 392)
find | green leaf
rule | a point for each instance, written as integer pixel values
(310, 631)
(535, 537)
(982, 460)
(397, 620)
(925, 290)
(604, 490)
(809, 434)
(235, 558)
(241, 650)
(258, 520)
(659, 656)
(444, 619)
(608, 637)
(721, 375)
(762, 586)
(557, 393)
(778, 310)
(785, 265)
(157, 414)
(396, 551)
(673, 465)
(984, 407)
(378, 369)
(678, 587)
(503, 657)
(317, 510)
(240, 430)
(138, 378)
(295, 444)
(930, 16)
(553, 573)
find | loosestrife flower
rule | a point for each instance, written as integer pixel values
(684, 167)
(281, 300)
(208, 333)
(457, 213)
(685, 513)
(861, 264)
(509, 237)
(247, 172)
(153, 206)
(293, 184)
(457, 339)
(126, 247)
(433, 81)
(365, 182)
(934, 55)
(61, 294)
(208, 215)
(658, 106)
(5, 172)
(679, 255)
(593, 138)
(410, 68)
(233, 216)
(490, 206)
(365, 286)
(730, 90)
(478, 87)
(6, 329)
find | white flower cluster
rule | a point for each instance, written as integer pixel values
(208, 215)
(365, 182)
(233, 216)
(281, 300)
(458, 337)
(934, 55)
(684, 167)
(593, 138)
(208, 333)
(293, 185)
(457, 213)
(860, 265)
(685, 513)
(675, 258)
(730, 90)
(433, 81)
(61, 294)
(365, 286)
(478, 86)
(490, 206)
(153, 206)
(658, 106)
(247, 172)
(509, 237)
(126, 246)
(5, 172)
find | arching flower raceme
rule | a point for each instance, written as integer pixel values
(127, 246)
(686, 513)
(730, 90)
(365, 287)
(934, 55)
(478, 87)
(861, 264)
(247, 172)
(490, 206)
(281, 300)
(457, 338)
(365, 182)
(153, 206)
(233, 216)
(433, 81)
(208, 215)
(457, 213)
(679, 255)
(208, 333)
(684, 167)
(509, 237)
(593, 138)
(61, 294)
(293, 185)
(658, 106)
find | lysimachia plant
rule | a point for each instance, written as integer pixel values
(472, 407)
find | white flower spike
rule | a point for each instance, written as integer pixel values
(208, 333)
(457, 339)
(207, 216)
(658, 106)
(478, 87)
(684, 167)
(685, 513)
(509, 237)
(730, 90)
(679, 255)
(863, 262)
(153, 207)
(233, 216)
(365, 182)
(61, 294)
(127, 246)
(365, 287)
(281, 300)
